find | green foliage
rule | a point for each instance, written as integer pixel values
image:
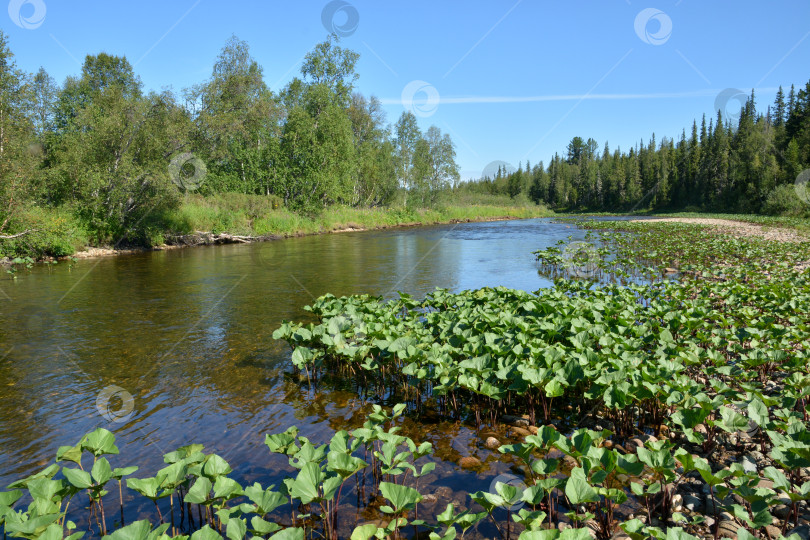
(746, 167)
(783, 201)
(638, 350)
(54, 232)
(104, 150)
(108, 157)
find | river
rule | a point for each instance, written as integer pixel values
(166, 348)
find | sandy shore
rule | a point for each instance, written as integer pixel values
(737, 228)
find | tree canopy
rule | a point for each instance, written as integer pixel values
(116, 156)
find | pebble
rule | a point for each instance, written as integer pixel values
(802, 530)
(749, 464)
(492, 443)
(757, 456)
(732, 438)
(773, 532)
(469, 462)
(781, 511)
(514, 420)
(692, 503)
(444, 492)
(765, 483)
(593, 528)
(633, 444)
(725, 516)
(728, 529)
(520, 431)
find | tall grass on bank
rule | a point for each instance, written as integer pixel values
(260, 216)
(58, 232)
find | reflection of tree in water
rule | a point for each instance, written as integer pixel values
(18, 426)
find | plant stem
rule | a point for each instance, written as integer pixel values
(121, 502)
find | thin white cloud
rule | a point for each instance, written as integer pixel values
(477, 100)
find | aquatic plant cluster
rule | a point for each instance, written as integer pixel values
(713, 364)
(651, 407)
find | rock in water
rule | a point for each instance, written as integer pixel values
(492, 443)
(469, 462)
(514, 420)
(520, 432)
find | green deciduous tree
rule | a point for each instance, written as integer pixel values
(238, 123)
(18, 155)
(434, 168)
(45, 92)
(111, 158)
(374, 181)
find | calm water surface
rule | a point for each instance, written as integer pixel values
(188, 335)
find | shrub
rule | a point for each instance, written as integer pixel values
(784, 201)
(55, 232)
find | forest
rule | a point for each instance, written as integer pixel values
(749, 165)
(100, 155)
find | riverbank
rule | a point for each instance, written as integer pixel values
(736, 228)
(212, 221)
(778, 228)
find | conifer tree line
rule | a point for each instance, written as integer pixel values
(98, 147)
(746, 166)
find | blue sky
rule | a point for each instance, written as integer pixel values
(509, 80)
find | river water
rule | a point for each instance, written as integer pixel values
(171, 347)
